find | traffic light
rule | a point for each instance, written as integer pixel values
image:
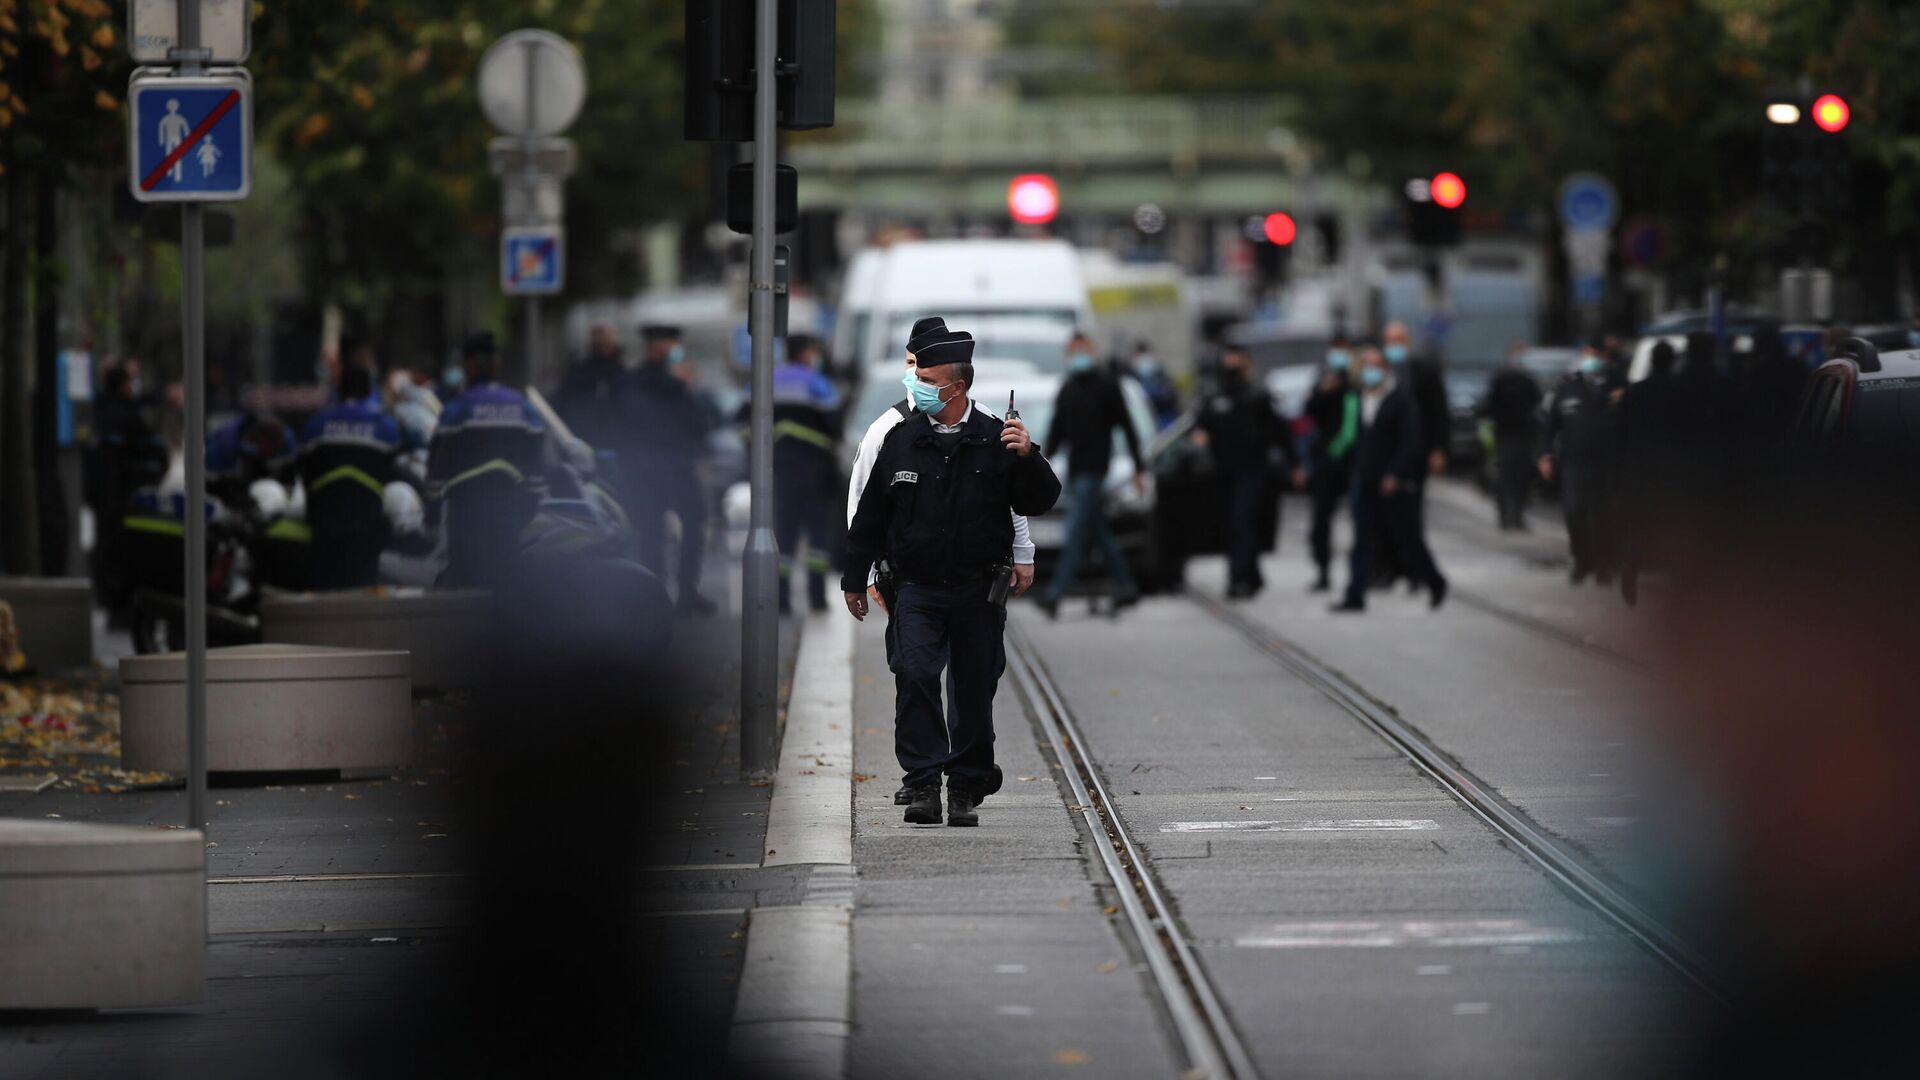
(719, 67)
(1279, 229)
(1433, 209)
(1033, 199)
(1272, 236)
(1806, 160)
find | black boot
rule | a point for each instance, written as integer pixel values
(960, 808)
(924, 808)
(994, 783)
(904, 795)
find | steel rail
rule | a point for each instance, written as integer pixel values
(1206, 1034)
(1560, 862)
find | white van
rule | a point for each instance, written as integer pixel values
(1019, 298)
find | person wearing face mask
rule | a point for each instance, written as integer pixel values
(1579, 450)
(925, 332)
(1089, 407)
(1241, 427)
(946, 482)
(1334, 408)
(1152, 377)
(666, 426)
(1513, 405)
(1387, 474)
(1421, 376)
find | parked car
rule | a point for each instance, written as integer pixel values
(1864, 399)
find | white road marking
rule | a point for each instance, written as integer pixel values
(1434, 969)
(1014, 1010)
(1009, 969)
(1472, 1008)
(1369, 934)
(1266, 778)
(1330, 825)
(1613, 822)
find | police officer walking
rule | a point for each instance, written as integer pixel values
(1334, 408)
(347, 454)
(1247, 438)
(1089, 406)
(1388, 469)
(1580, 450)
(486, 464)
(668, 426)
(589, 395)
(1513, 405)
(939, 506)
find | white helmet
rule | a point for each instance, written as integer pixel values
(405, 511)
(269, 497)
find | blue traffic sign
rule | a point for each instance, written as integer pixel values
(1588, 202)
(531, 260)
(191, 138)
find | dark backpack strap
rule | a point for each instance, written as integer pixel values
(903, 407)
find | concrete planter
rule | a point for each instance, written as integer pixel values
(55, 616)
(100, 916)
(444, 630)
(271, 708)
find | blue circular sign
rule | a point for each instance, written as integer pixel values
(1587, 201)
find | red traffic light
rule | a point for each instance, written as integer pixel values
(1830, 113)
(1280, 229)
(1448, 190)
(1033, 199)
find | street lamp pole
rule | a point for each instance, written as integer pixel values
(193, 314)
(759, 625)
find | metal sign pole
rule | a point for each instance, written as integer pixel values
(759, 626)
(531, 50)
(193, 317)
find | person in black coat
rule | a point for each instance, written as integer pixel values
(1248, 440)
(1388, 470)
(946, 483)
(1580, 445)
(589, 395)
(666, 429)
(1421, 376)
(1088, 408)
(1334, 409)
(1513, 405)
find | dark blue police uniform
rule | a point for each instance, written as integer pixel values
(486, 465)
(346, 461)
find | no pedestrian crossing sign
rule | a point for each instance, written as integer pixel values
(531, 261)
(191, 138)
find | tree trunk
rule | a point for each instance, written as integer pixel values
(50, 495)
(17, 548)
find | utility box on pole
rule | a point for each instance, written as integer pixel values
(720, 68)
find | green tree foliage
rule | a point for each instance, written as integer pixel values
(61, 78)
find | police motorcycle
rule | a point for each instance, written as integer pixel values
(249, 546)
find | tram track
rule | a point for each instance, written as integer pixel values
(1558, 860)
(1208, 1042)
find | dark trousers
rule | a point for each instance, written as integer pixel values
(1513, 461)
(934, 628)
(660, 485)
(1328, 488)
(803, 507)
(1397, 517)
(1246, 499)
(1087, 528)
(1584, 498)
(346, 548)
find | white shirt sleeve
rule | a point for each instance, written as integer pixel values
(1022, 541)
(863, 460)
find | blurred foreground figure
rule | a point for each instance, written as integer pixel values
(486, 466)
(1790, 637)
(1513, 404)
(1334, 408)
(1579, 452)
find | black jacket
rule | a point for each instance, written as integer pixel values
(1393, 444)
(1242, 428)
(1090, 405)
(940, 517)
(1327, 408)
(589, 400)
(662, 417)
(1430, 401)
(1513, 403)
(1580, 423)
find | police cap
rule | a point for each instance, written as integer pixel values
(925, 332)
(946, 347)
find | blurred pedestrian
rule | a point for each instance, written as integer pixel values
(1088, 409)
(1513, 406)
(1147, 370)
(486, 465)
(1241, 427)
(1334, 408)
(347, 454)
(1388, 469)
(880, 578)
(1579, 451)
(589, 395)
(668, 425)
(1421, 376)
(950, 480)
(806, 433)
(1652, 442)
(127, 455)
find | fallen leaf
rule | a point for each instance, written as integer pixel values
(1110, 966)
(1071, 1057)
(1108, 910)
(861, 778)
